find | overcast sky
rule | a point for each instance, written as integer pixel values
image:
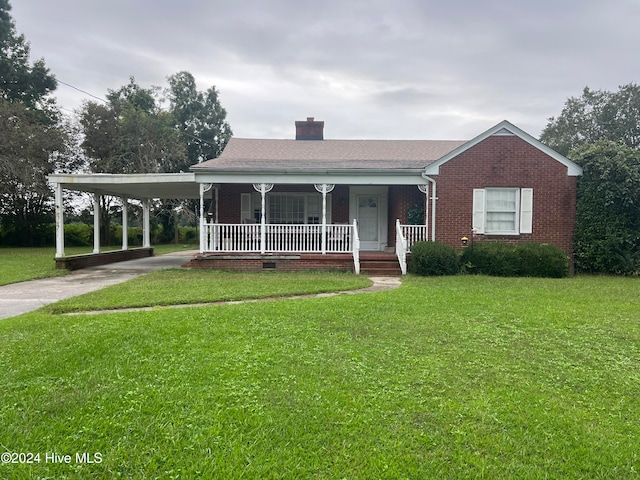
(371, 69)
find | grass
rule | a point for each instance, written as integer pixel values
(22, 264)
(178, 286)
(454, 377)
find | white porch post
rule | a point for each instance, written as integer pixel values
(96, 223)
(146, 224)
(59, 220)
(324, 189)
(204, 229)
(263, 188)
(202, 219)
(217, 194)
(125, 223)
(425, 189)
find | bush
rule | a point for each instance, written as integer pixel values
(78, 235)
(433, 258)
(525, 260)
(542, 260)
(498, 259)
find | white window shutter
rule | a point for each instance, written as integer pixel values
(478, 210)
(245, 208)
(526, 210)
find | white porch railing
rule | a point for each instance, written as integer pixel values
(407, 235)
(246, 238)
(413, 234)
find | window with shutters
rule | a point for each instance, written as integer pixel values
(503, 211)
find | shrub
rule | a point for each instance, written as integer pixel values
(78, 234)
(525, 260)
(498, 259)
(542, 260)
(433, 258)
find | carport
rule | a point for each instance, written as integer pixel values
(143, 187)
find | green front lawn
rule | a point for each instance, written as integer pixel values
(186, 286)
(455, 377)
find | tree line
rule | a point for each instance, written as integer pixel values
(134, 130)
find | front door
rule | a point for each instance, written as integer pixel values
(368, 205)
(369, 221)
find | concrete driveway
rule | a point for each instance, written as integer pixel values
(23, 297)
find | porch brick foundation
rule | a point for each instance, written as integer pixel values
(283, 262)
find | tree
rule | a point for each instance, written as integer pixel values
(131, 134)
(20, 81)
(607, 235)
(199, 116)
(29, 151)
(34, 141)
(596, 115)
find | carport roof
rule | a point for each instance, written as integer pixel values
(140, 186)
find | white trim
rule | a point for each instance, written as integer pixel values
(365, 177)
(501, 129)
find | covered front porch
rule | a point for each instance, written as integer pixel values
(320, 219)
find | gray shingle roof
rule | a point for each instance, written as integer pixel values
(245, 154)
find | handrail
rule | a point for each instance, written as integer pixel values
(401, 248)
(356, 247)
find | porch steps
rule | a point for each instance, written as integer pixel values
(379, 264)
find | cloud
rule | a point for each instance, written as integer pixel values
(370, 69)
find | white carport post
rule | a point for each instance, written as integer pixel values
(146, 224)
(96, 223)
(125, 223)
(59, 220)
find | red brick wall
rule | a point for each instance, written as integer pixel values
(282, 263)
(401, 199)
(506, 161)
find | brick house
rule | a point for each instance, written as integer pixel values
(315, 196)
(347, 204)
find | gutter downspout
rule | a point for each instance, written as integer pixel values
(433, 205)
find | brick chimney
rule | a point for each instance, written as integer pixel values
(309, 130)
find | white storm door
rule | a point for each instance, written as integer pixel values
(368, 215)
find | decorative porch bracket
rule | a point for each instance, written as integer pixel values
(324, 188)
(263, 188)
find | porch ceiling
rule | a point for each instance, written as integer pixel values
(139, 186)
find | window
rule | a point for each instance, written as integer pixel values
(285, 208)
(503, 211)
